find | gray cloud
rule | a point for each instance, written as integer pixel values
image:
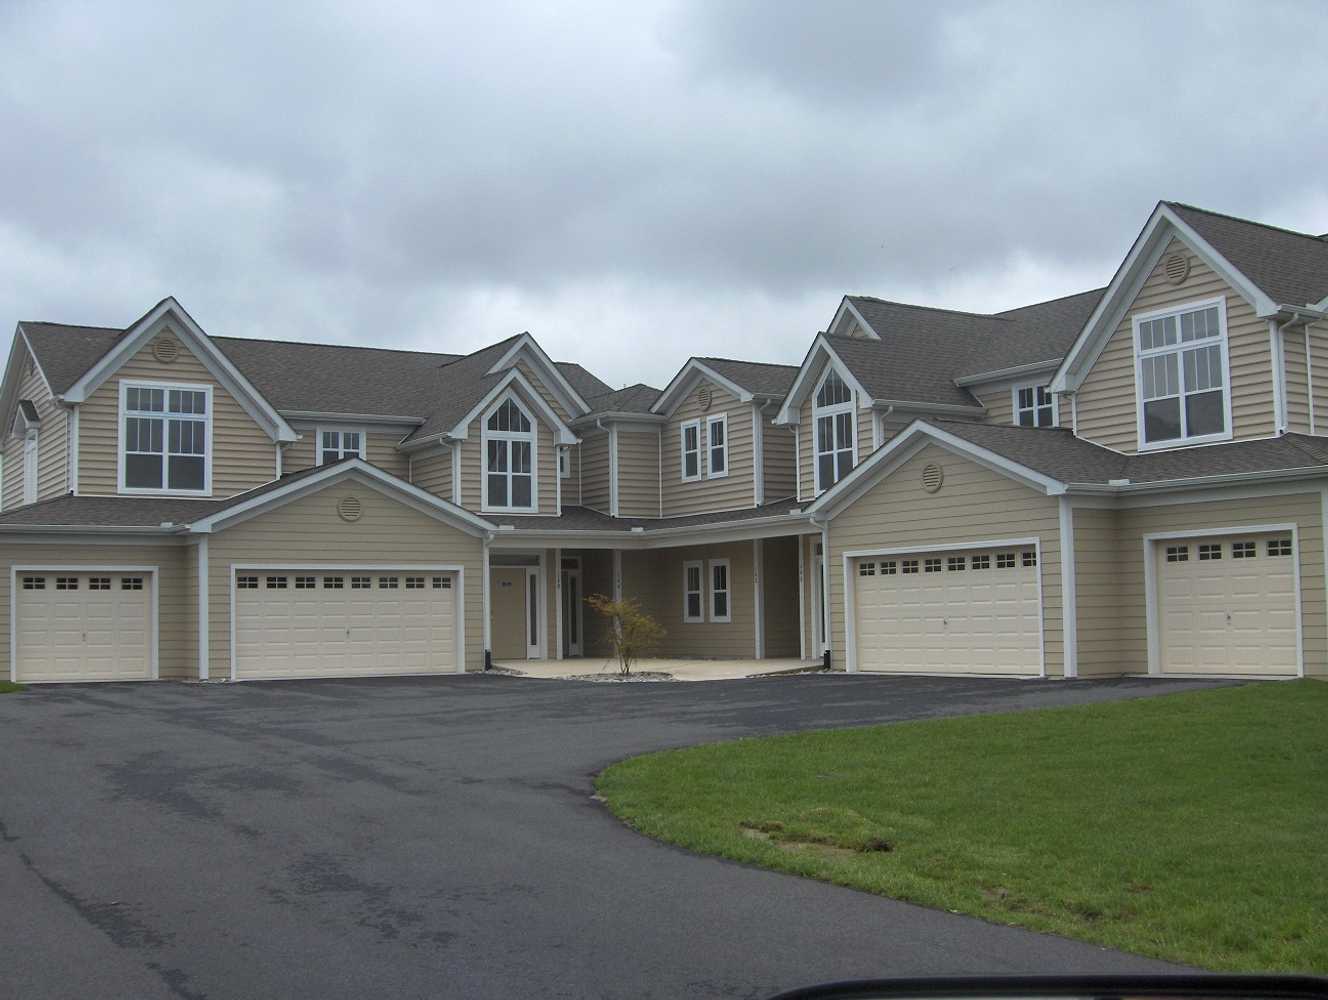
(631, 183)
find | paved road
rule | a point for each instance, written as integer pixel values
(436, 838)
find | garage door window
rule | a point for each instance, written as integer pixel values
(334, 583)
(889, 568)
(1030, 558)
(306, 583)
(34, 583)
(131, 583)
(982, 562)
(1210, 551)
(246, 582)
(1178, 553)
(1279, 547)
(1005, 560)
(360, 583)
(910, 565)
(955, 564)
(388, 583)
(1244, 550)
(99, 583)
(276, 583)
(931, 565)
(442, 583)
(66, 583)
(414, 583)
(867, 569)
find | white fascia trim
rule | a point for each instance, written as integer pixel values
(1143, 256)
(36, 361)
(1001, 374)
(688, 375)
(208, 353)
(1069, 590)
(569, 397)
(14, 374)
(880, 464)
(360, 469)
(805, 382)
(461, 430)
(847, 306)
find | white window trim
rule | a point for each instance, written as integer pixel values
(724, 619)
(1175, 310)
(532, 437)
(1015, 407)
(718, 418)
(124, 386)
(700, 568)
(338, 429)
(682, 450)
(848, 407)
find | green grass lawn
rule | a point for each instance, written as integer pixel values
(9, 687)
(1190, 827)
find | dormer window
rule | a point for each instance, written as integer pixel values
(832, 418)
(334, 444)
(509, 458)
(165, 438)
(1034, 406)
(1181, 358)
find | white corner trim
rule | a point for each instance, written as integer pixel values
(71, 465)
(1277, 359)
(1069, 591)
(456, 472)
(1309, 375)
(613, 470)
(758, 457)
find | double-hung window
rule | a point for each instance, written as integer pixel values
(720, 610)
(509, 458)
(693, 593)
(334, 445)
(1182, 375)
(717, 446)
(1034, 406)
(166, 438)
(690, 443)
(832, 416)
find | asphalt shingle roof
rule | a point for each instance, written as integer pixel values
(1291, 268)
(637, 398)
(586, 519)
(759, 377)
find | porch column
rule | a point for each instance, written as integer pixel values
(758, 595)
(558, 599)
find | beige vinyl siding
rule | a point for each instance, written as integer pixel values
(177, 642)
(1297, 381)
(596, 578)
(655, 578)
(309, 531)
(1097, 591)
(536, 380)
(638, 474)
(778, 462)
(729, 492)
(595, 470)
(973, 506)
(1106, 400)
(52, 441)
(1134, 523)
(546, 461)
(572, 481)
(866, 434)
(780, 589)
(380, 448)
(1318, 334)
(243, 455)
(433, 472)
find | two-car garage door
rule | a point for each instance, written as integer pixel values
(976, 611)
(345, 623)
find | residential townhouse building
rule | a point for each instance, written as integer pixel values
(1130, 480)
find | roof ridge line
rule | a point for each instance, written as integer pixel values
(72, 326)
(1248, 222)
(743, 361)
(939, 309)
(1046, 302)
(350, 347)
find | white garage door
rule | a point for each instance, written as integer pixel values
(344, 623)
(949, 612)
(1227, 605)
(81, 626)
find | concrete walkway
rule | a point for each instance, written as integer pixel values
(678, 670)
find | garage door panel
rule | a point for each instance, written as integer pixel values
(1234, 614)
(82, 627)
(955, 619)
(346, 623)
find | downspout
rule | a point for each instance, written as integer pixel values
(488, 650)
(825, 589)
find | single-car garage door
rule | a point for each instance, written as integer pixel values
(347, 623)
(1227, 605)
(82, 626)
(949, 612)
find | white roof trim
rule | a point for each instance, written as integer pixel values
(461, 430)
(1162, 225)
(14, 375)
(1003, 374)
(847, 306)
(672, 396)
(207, 352)
(903, 446)
(806, 381)
(570, 398)
(356, 468)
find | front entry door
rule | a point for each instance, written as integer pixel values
(572, 622)
(507, 613)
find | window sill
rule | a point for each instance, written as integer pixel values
(690, 479)
(1173, 443)
(148, 492)
(718, 475)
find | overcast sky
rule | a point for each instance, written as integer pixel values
(632, 182)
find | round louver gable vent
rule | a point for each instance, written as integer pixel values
(932, 477)
(350, 508)
(165, 349)
(704, 397)
(1176, 267)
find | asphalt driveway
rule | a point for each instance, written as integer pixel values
(428, 838)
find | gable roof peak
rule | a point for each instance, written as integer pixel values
(1248, 222)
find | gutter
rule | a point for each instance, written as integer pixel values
(165, 528)
(595, 418)
(1122, 487)
(915, 406)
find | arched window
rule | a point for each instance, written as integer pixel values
(832, 418)
(509, 458)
